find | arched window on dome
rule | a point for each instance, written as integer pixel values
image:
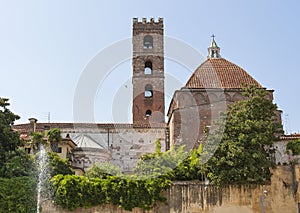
(148, 42)
(148, 91)
(148, 68)
(148, 113)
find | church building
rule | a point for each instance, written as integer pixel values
(216, 83)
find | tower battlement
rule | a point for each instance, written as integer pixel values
(145, 20)
(148, 25)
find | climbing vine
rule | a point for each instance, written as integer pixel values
(73, 191)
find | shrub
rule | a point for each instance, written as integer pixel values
(18, 194)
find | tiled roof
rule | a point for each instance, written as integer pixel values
(290, 137)
(219, 73)
(41, 127)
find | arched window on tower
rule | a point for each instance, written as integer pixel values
(148, 113)
(148, 42)
(148, 91)
(148, 68)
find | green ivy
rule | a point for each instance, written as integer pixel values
(18, 194)
(128, 192)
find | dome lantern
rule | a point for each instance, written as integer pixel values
(213, 49)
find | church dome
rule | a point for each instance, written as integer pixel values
(220, 73)
(217, 72)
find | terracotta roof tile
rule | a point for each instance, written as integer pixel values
(219, 73)
(290, 137)
(41, 127)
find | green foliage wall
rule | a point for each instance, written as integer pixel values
(128, 192)
(18, 195)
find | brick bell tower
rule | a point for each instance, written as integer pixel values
(148, 71)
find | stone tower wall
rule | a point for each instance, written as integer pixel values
(140, 79)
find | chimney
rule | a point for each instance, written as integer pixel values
(32, 124)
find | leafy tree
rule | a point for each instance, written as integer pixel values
(103, 170)
(58, 165)
(54, 137)
(245, 151)
(13, 162)
(18, 164)
(191, 168)
(175, 163)
(9, 140)
(160, 163)
(294, 146)
(17, 182)
(36, 140)
(158, 146)
(18, 194)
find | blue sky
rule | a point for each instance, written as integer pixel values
(46, 45)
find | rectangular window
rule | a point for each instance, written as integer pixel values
(59, 150)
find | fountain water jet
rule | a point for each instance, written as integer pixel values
(43, 175)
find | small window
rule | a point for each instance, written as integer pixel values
(148, 42)
(148, 113)
(148, 91)
(148, 68)
(59, 150)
